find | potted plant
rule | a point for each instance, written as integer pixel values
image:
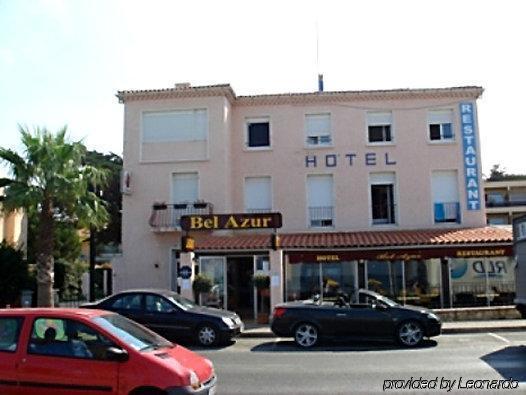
(262, 284)
(201, 286)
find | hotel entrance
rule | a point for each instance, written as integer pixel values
(232, 285)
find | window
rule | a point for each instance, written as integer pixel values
(383, 198)
(258, 195)
(320, 200)
(175, 126)
(67, 338)
(258, 133)
(9, 332)
(318, 129)
(440, 125)
(446, 203)
(379, 127)
(185, 187)
(128, 302)
(158, 304)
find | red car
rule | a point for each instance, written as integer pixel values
(78, 351)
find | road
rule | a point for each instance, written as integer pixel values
(276, 366)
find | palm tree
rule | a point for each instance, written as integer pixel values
(52, 177)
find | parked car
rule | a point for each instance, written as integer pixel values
(78, 351)
(173, 316)
(375, 317)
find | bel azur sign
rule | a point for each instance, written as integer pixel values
(231, 221)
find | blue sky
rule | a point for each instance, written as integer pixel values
(62, 61)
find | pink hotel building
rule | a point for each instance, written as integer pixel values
(376, 189)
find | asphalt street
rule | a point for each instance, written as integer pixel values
(276, 366)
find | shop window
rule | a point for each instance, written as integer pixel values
(258, 133)
(318, 129)
(379, 127)
(440, 123)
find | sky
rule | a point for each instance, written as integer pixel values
(62, 61)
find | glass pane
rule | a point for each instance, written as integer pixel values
(258, 134)
(376, 134)
(422, 283)
(434, 132)
(385, 277)
(157, 304)
(383, 205)
(338, 278)
(213, 267)
(303, 280)
(9, 332)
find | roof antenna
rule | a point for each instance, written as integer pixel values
(320, 75)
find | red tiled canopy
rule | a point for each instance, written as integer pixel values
(366, 239)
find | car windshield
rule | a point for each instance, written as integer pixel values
(181, 302)
(131, 333)
(381, 298)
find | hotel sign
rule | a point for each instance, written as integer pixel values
(467, 122)
(231, 221)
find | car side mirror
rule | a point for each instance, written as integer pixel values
(117, 354)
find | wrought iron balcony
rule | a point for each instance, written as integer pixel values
(167, 217)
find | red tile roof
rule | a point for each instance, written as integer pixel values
(366, 239)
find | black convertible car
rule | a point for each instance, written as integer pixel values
(173, 316)
(374, 317)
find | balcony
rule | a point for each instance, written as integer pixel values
(447, 212)
(321, 217)
(505, 203)
(167, 217)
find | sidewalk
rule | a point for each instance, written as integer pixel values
(254, 330)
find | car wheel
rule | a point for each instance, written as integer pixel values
(306, 335)
(410, 333)
(207, 335)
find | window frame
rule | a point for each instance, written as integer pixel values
(76, 321)
(396, 199)
(308, 145)
(442, 139)
(369, 124)
(251, 120)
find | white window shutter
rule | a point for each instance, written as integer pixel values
(185, 187)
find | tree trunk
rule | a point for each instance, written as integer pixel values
(45, 261)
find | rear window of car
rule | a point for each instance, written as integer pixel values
(9, 333)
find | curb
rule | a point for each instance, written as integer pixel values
(445, 331)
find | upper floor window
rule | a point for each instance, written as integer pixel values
(379, 127)
(383, 198)
(174, 126)
(258, 133)
(446, 202)
(320, 200)
(258, 195)
(440, 124)
(318, 129)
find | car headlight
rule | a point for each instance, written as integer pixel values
(433, 316)
(194, 380)
(228, 322)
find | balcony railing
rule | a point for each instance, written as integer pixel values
(168, 216)
(258, 210)
(321, 217)
(447, 212)
(505, 203)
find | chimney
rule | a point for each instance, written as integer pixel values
(320, 82)
(182, 85)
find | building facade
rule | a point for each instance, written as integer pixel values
(13, 227)
(505, 201)
(376, 189)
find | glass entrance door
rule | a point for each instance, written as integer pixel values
(214, 267)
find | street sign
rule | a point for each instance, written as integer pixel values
(185, 272)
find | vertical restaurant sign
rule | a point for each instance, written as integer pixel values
(467, 122)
